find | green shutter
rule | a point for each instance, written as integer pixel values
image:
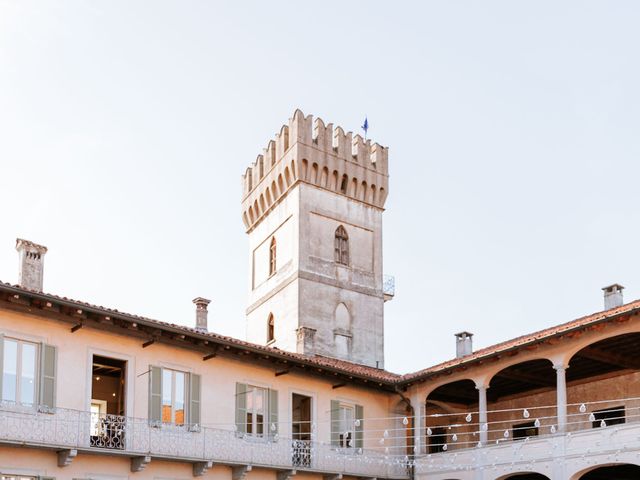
(194, 399)
(48, 360)
(335, 423)
(155, 394)
(241, 407)
(1, 364)
(359, 425)
(273, 413)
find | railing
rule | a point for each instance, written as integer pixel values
(388, 285)
(66, 428)
(458, 441)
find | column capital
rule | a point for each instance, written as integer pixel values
(560, 366)
(481, 386)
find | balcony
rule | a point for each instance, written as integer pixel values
(136, 437)
(596, 433)
(388, 287)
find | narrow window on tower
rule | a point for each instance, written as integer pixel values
(271, 329)
(272, 256)
(341, 246)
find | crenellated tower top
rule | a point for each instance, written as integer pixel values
(307, 150)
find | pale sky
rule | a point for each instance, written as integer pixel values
(513, 134)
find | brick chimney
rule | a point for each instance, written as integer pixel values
(201, 314)
(31, 264)
(464, 344)
(613, 296)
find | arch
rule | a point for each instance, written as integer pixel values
(372, 195)
(274, 191)
(280, 184)
(267, 195)
(617, 471)
(363, 191)
(287, 176)
(305, 169)
(314, 174)
(293, 169)
(344, 183)
(272, 256)
(251, 215)
(324, 178)
(353, 191)
(256, 208)
(271, 328)
(341, 246)
(245, 218)
(524, 476)
(263, 205)
(382, 195)
(334, 181)
(342, 317)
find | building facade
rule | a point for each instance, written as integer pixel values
(88, 392)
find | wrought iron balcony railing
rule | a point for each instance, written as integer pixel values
(84, 431)
(388, 286)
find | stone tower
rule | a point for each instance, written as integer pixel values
(312, 205)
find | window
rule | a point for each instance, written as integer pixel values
(524, 430)
(346, 425)
(173, 396)
(255, 418)
(341, 246)
(19, 372)
(271, 329)
(610, 416)
(272, 256)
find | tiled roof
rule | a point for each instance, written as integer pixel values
(383, 377)
(362, 371)
(524, 340)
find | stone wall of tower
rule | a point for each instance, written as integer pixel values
(309, 181)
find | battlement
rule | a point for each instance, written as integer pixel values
(310, 151)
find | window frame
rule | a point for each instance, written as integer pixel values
(271, 329)
(18, 375)
(341, 246)
(251, 427)
(185, 396)
(346, 436)
(273, 266)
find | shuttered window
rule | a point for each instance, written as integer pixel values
(28, 373)
(256, 411)
(174, 397)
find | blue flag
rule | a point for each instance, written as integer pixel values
(365, 126)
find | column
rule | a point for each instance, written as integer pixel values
(482, 413)
(561, 396)
(418, 404)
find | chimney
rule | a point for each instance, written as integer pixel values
(31, 264)
(613, 296)
(201, 314)
(464, 344)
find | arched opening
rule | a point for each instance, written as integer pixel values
(449, 423)
(521, 401)
(611, 369)
(363, 191)
(344, 184)
(372, 197)
(280, 184)
(268, 197)
(271, 329)
(245, 217)
(287, 176)
(272, 256)
(525, 476)
(625, 471)
(263, 205)
(305, 169)
(342, 331)
(354, 188)
(256, 209)
(251, 215)
(324, 178)
(314, 174)
(341, 246)
(293, 169)
(334, 181)
(274, 191)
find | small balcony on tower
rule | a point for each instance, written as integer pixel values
(388, 287)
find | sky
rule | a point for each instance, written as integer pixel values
(512, 130)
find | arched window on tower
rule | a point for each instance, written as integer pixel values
(272, 256)
(271, 329)
(341, 245)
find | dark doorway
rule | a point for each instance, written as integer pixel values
(301, 430)
(108, 402)
(617, 472)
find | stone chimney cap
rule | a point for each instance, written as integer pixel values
(22, 243)
(615, 287)
(201, 301)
